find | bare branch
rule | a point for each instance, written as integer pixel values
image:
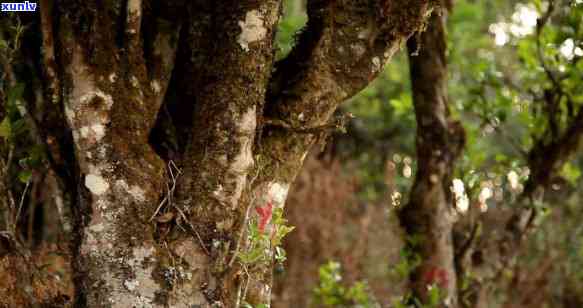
(20, 205)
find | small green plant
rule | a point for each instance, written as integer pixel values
(408, 259)
(261, 240)
(331, 292)
(14, 129)
(408, 262)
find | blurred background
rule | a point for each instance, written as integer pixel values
(348, 246)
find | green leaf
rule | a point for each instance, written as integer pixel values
(24, 176)
(571, 173)
(434, 296)
(3, 45)
(15, 93)
(5, 128)
(500, 158)
(280, 254)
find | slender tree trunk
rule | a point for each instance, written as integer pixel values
(429, 216)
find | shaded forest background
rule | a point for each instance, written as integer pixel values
(345, 202)
(348, 248)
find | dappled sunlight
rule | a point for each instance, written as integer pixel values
(461, 198)
(523, 22)
(485, 193)
(569, 50)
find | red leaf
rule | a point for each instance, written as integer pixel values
(264, 214)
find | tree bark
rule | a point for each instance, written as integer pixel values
(111, 99)
(429, 216)
(160, 227)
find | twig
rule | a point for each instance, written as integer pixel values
(541, 23)
(244, 224)
(246, 284)
(513, 143)
(168, 199)
(21, 203)
(170, 191)
(32, 209)
(193, 230)
(5, 167)
(334, 126)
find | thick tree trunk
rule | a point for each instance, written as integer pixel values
(111, 100)
(429, 216)
(160, 227)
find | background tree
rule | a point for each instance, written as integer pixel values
(428, 218)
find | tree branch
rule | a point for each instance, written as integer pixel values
(342, 49)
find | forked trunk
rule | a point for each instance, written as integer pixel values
(187, 135)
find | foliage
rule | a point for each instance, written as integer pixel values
(295, 18)
(408, 260)
(332, 293)
(434, 300)
(383, 112)
(261, 239)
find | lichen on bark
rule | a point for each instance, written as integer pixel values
(140, 242)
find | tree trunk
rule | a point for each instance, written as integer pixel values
(429, 216)
(186, 133)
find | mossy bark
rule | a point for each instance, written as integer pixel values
(172, 110)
